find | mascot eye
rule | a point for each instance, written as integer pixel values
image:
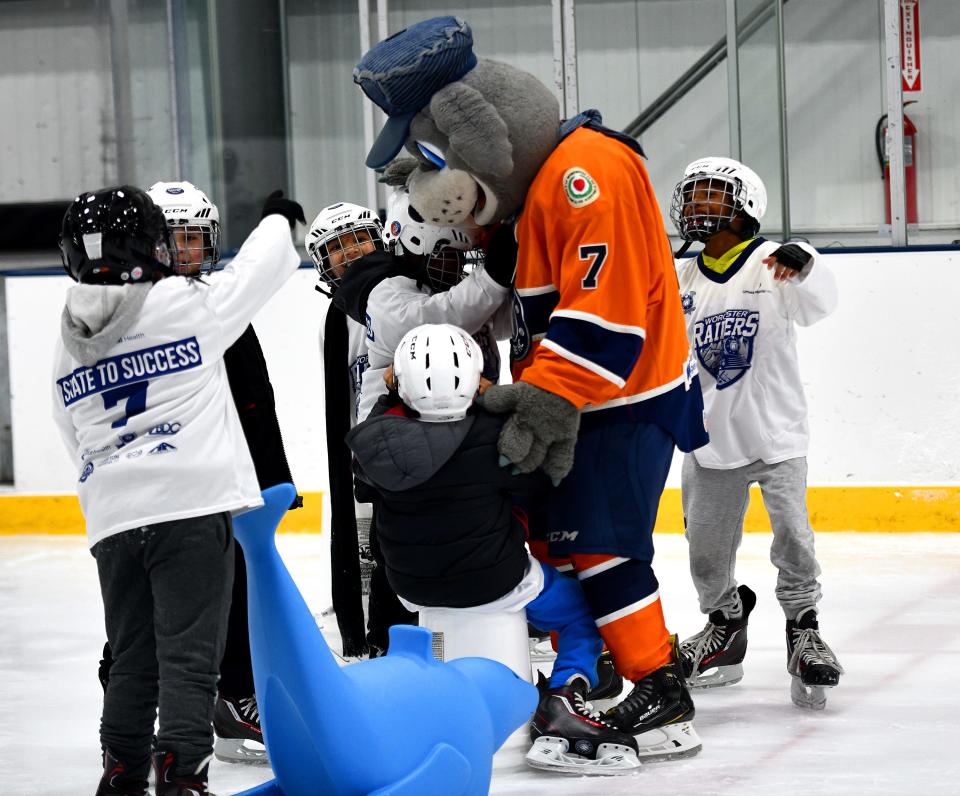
(432, 153)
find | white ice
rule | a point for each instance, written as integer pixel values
(891, 612)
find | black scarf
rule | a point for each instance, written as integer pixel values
(344, 548)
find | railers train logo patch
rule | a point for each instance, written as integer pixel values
(581, 189)
(724, 344)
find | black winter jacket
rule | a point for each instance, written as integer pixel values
(446, 529)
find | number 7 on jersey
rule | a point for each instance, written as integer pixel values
(596, 253)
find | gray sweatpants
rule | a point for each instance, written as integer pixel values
(714, 504)
(166, 596)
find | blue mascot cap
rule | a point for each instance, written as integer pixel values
(402, 73)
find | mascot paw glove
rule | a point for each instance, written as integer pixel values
(290, 210)
(541, 430)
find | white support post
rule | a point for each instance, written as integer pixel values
(894, 84)
(368, 108)
(733, 79)
(571, 93)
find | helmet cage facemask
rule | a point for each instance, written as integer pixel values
(345, 240)
(446, 266)
(196, 263)
(729, 193)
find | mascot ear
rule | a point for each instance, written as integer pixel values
(477, 133)
(397, 172)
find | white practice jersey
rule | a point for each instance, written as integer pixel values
(151, 425)
(742, 326)
(396, 305)
(357, 360)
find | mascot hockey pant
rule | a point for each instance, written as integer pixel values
(166, 596)
(600, 526)
(714, 504)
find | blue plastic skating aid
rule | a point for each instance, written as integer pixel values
(401, 725)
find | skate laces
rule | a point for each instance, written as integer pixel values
(638, 697)
(249, 708)
(810, 649)
(585, 708)
(707, 641)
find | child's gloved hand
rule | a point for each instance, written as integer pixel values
(541, 430)
(788, 261)
(289, 209)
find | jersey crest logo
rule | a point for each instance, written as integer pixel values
(520, 339)
(87, 472)
(688, 303)
(581, 189)
(724, 344)
(395, 229)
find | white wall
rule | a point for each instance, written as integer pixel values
(881, 375)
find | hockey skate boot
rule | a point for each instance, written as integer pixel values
(236, 723)
(171, 784)
(569, 738)
(714, 656)
(120, 779)
(611, 683)
(659, 713)
(811, 663)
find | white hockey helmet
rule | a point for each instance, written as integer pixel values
(195, 223)
(443, 248)
(735, 188)
(437, 367)
(339, 235)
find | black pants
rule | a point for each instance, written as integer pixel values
(166, 595)
(236, 668)
(384, 607)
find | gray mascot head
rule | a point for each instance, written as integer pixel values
(479, 130)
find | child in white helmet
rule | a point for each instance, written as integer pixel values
(450, 538)
(743, 297)
(387, 281)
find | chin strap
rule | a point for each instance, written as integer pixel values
(683, 249)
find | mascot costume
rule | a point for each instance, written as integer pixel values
(604, 386)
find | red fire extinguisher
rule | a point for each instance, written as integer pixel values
(909, 164)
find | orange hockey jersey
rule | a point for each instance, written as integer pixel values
(597, 312)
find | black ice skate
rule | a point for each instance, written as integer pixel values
(568, 738)
(169, 784)
(121, 779)
(236, 723)
(659, 713)
(610, 684)
(811, 663)
(714, 656)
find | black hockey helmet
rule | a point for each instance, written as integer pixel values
(116, 236)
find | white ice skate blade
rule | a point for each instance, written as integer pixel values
(553, 754)
(809, 697)
(541, 650)
(717, 676)
(239, 750)
(670, 742)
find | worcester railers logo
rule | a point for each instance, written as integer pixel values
(724, 344)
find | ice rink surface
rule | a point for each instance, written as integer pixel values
(891, 612)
